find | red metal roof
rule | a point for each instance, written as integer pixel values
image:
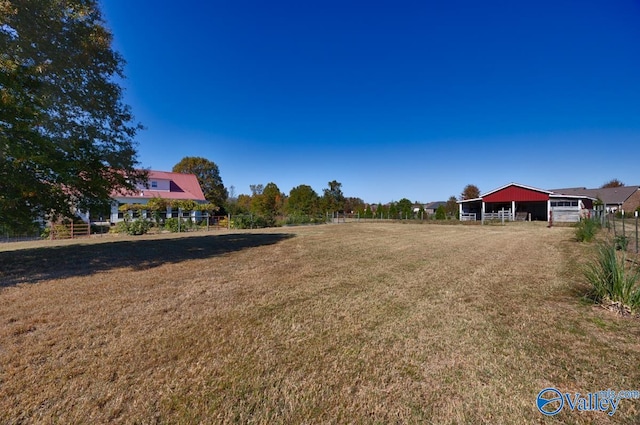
(518, 193)
(182, 186)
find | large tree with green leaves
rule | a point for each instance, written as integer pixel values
(273, 199)
(405, 208)
(303, 200)
(269, 202)
(208, 176)
(66, 137)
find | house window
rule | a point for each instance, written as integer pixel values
(154, 185)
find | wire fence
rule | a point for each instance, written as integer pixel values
(8, 235)
(625, 232)
(186, 222)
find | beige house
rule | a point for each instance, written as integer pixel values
(624, 198)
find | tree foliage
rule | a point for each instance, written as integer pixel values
(273, 200)
(269, 202)
(470, 191)
(242, 205)
(352, 204)
(405, 208)
(303, 200)
(333, 198)
(256, 189)
(451, 207)
(612, 183)
(66, 137)
(208, 176)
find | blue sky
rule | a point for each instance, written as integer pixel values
(403, 99)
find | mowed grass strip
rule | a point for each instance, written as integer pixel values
(350, 323)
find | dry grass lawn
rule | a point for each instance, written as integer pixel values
(351, 323)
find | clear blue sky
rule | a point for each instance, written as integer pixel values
(397, 99)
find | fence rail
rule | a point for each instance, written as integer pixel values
(69, 231)
(468, 217)
(506, 215)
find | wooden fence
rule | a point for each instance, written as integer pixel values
(69, 231)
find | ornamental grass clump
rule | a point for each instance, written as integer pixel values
(612, 279)
(586, 229)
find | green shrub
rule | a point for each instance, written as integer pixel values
(586, 229)
(252, 222)
(294, 220)
(176, 225)
(621, 242)
(136, 227)
(46, 233)
(612, 279)
(139, 227)
(441, 213)
(60, 231)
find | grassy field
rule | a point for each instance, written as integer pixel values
(351, 323)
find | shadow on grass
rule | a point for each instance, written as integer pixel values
(38, 264)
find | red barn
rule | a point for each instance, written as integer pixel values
(519, 202)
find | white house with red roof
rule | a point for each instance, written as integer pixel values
(160, 184)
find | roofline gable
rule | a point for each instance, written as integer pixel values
(535, 189)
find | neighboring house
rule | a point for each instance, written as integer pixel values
(431, 207)
(519, 202)
(623, 198)
(160, 184)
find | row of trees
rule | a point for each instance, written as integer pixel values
(269, 201)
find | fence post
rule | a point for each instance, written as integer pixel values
(636, 231)
(228, 221)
